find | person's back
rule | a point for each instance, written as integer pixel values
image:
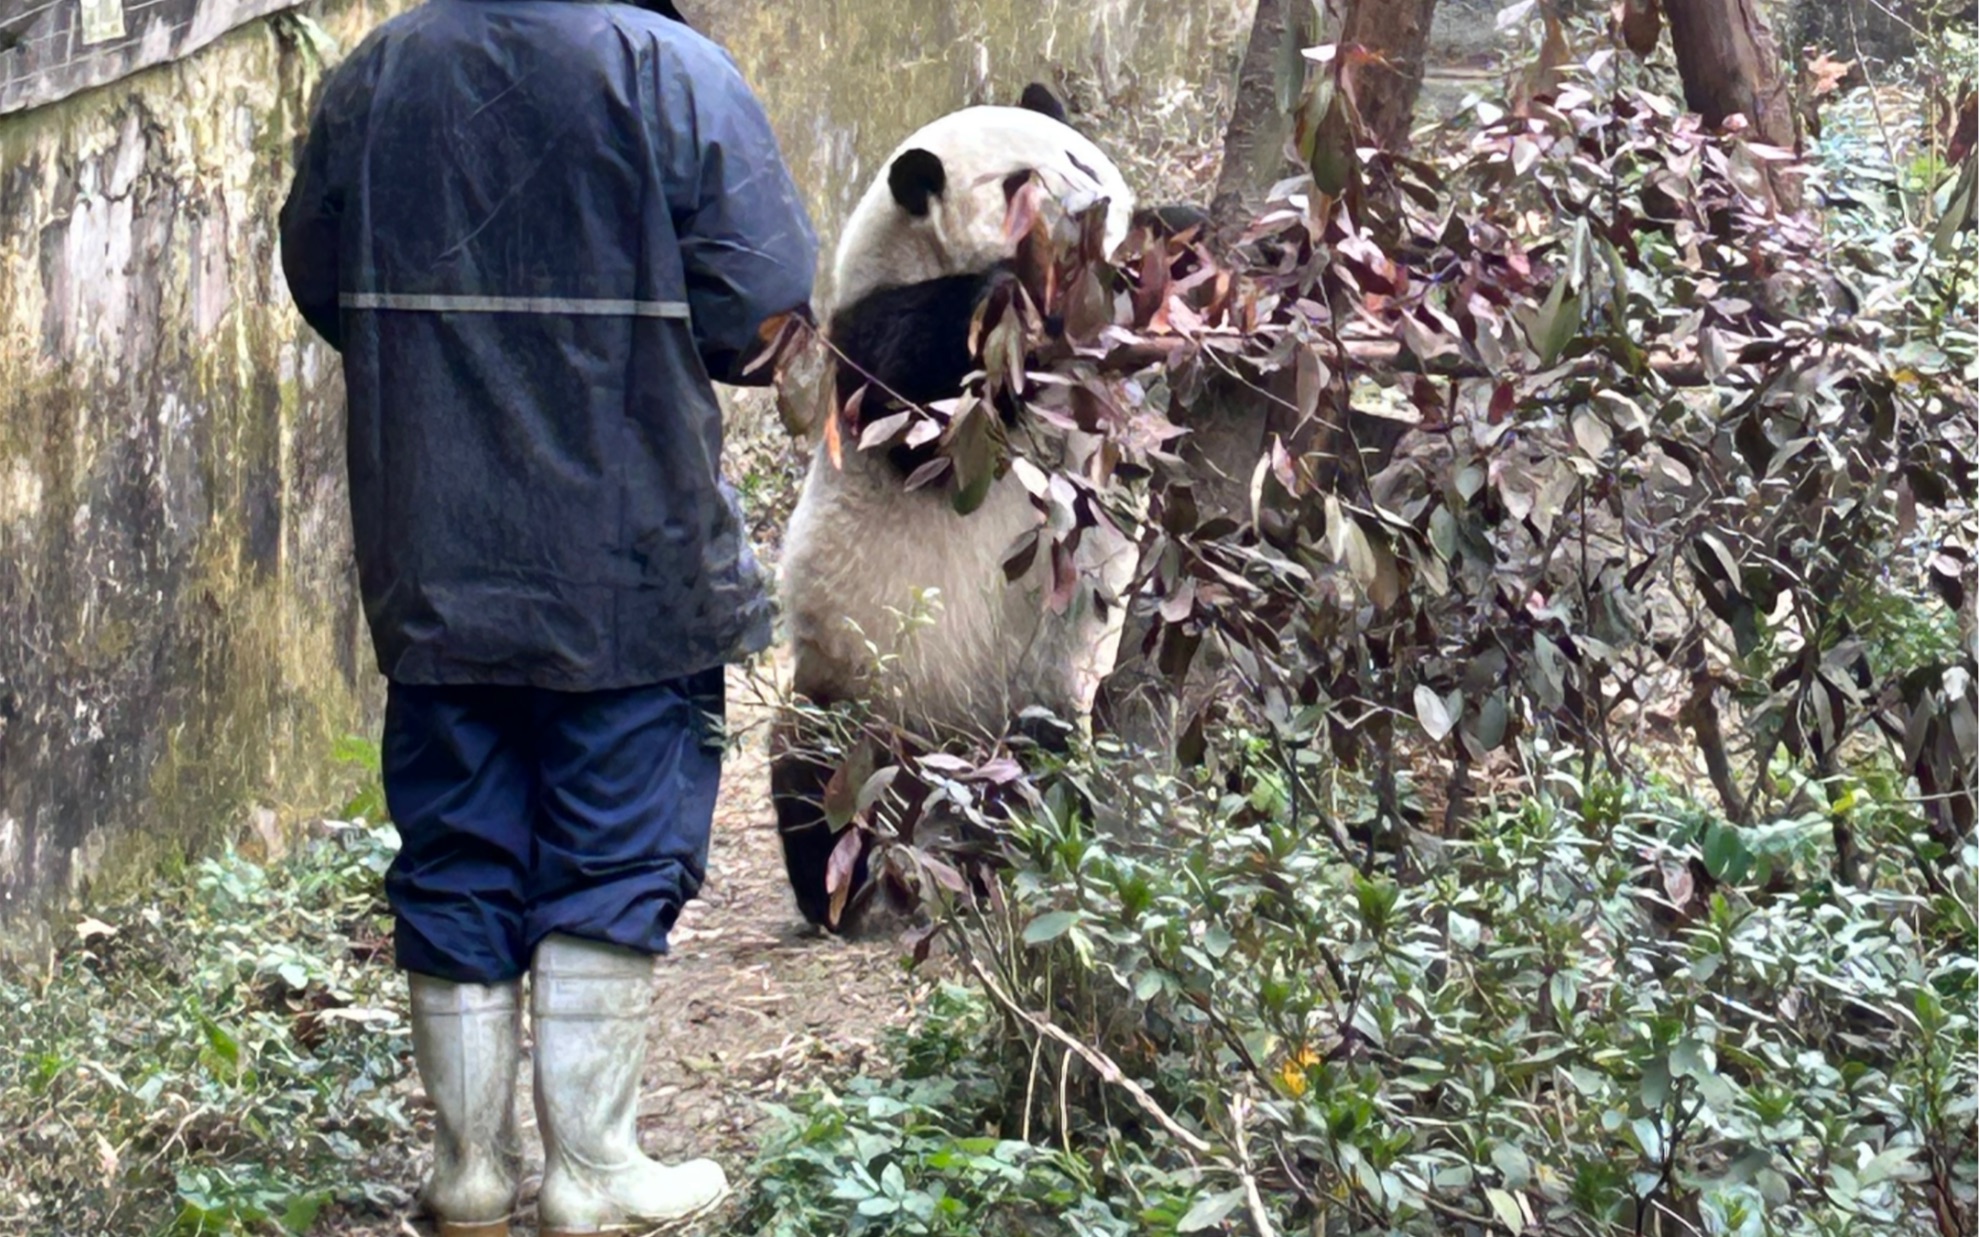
(536, 230)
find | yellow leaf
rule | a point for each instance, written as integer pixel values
(1292, 1075)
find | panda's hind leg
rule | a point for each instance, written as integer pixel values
(797, 790)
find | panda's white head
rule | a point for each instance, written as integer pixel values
(939, 210)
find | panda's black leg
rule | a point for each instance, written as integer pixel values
(1046, 732)
(797, 788)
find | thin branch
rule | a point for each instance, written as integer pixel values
(1876, 110)
(1260, 1220)
(1361, 355)
(1700, 713)
(1098, 1061)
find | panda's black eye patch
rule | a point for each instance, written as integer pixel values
(916, 179)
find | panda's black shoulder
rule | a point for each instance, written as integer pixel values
(911, 339)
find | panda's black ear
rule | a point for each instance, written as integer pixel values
(1037, 97)
(916, 179)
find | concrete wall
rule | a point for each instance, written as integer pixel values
(179, 640)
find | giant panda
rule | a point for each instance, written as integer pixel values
(920, 251)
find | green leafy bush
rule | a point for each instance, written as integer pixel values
(225, 1055)
(1533, 1035)
(920, 1153)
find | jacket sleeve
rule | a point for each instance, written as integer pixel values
(311, 220)
(746, 242)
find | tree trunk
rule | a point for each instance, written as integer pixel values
(1730, 65)
(1268, 84)
(1230, 428)
(1384, 44)
(1136, 702)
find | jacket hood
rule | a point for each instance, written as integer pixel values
(664, 8)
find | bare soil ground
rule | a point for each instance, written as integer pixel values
(751, 1006)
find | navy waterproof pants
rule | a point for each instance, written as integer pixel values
(522, 812)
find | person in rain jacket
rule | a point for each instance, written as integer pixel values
(537, 230)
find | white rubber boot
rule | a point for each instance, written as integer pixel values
(464, 1039)
(589, 1003)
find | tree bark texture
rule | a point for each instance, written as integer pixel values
(1385, 44)
(1254, 144)
(1730, 63)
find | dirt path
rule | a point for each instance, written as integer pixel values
(751, 1006)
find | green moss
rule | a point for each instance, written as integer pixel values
(216, 672)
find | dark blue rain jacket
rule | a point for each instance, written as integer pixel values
(536, 230)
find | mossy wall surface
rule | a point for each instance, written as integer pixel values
(180, 644)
